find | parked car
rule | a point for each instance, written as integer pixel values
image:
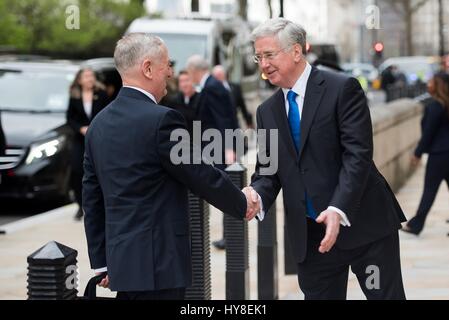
(33, 102)
(356, 69)
(324, 54)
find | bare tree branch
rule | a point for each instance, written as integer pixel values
(418, 6)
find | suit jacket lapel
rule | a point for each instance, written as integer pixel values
(280, 116)
(314, 93)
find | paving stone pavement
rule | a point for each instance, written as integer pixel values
(425, 259)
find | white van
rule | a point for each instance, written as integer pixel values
(222, 42)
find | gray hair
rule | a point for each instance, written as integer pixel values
(133, 48)
(287, 32)
(197, 62)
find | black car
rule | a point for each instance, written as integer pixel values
(33, 102)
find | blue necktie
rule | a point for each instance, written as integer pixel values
(294, 121)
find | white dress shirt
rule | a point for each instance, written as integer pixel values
(148, 94)
(300, 89)
(203, 80)
(88, 108)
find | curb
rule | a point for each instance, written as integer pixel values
(37, 219)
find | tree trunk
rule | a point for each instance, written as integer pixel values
(441, 27)
(270, 8)
(408, 27)
(195, 6)
(243, 9)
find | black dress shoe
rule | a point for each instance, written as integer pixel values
(79, 215)
(220, 244)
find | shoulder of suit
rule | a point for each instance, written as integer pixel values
(272, 100)
(334, 77)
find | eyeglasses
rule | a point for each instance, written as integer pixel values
(268, 55)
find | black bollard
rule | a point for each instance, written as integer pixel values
(237, 251)
(199, 238)
(267, 254)
(52, 273)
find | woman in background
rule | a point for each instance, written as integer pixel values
(435, 142)
(87, 99)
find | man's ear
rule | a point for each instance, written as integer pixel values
(297, 49)
(147, 68)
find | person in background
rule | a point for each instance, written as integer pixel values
(186, 100)
(214, 110)
(388, 77)
(435, 142)
(87, 99)
(172, 90)
(219, 73)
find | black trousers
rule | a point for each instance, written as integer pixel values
(376, 265)
(166, 294)
(437, 170)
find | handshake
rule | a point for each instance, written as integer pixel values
(252, 203)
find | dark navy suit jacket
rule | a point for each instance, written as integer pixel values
(215, 107)
(135, 198)
(334, 164)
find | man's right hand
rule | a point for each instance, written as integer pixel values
(253, 204)
(105, 282)
(83, 130)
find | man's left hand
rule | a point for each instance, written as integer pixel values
(332, 221)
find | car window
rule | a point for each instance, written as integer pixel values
(35, 90)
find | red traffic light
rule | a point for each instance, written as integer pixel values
(379, 47)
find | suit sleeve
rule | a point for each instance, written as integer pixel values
(94, 213)
(356, 139)
(202, 179)
(430, 124)
(72, 116)
(267, 186)
(220, 104)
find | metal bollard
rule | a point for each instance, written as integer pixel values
(267, 254)
(199, 238)
(52, 273)
(237, 251)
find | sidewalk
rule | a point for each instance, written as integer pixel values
(425, 260)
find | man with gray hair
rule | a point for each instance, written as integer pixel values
(339, 209)
(134, 196)
(214, 109)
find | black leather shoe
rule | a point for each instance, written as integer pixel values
(79, 215)
(220, 244)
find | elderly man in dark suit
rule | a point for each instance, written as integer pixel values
(339, 209)
(135, 190)
(219, 73)
(214, 108)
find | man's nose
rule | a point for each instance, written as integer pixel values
(264, 64)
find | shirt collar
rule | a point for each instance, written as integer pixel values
(301, 84)
(149, 95)
(204, 79)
